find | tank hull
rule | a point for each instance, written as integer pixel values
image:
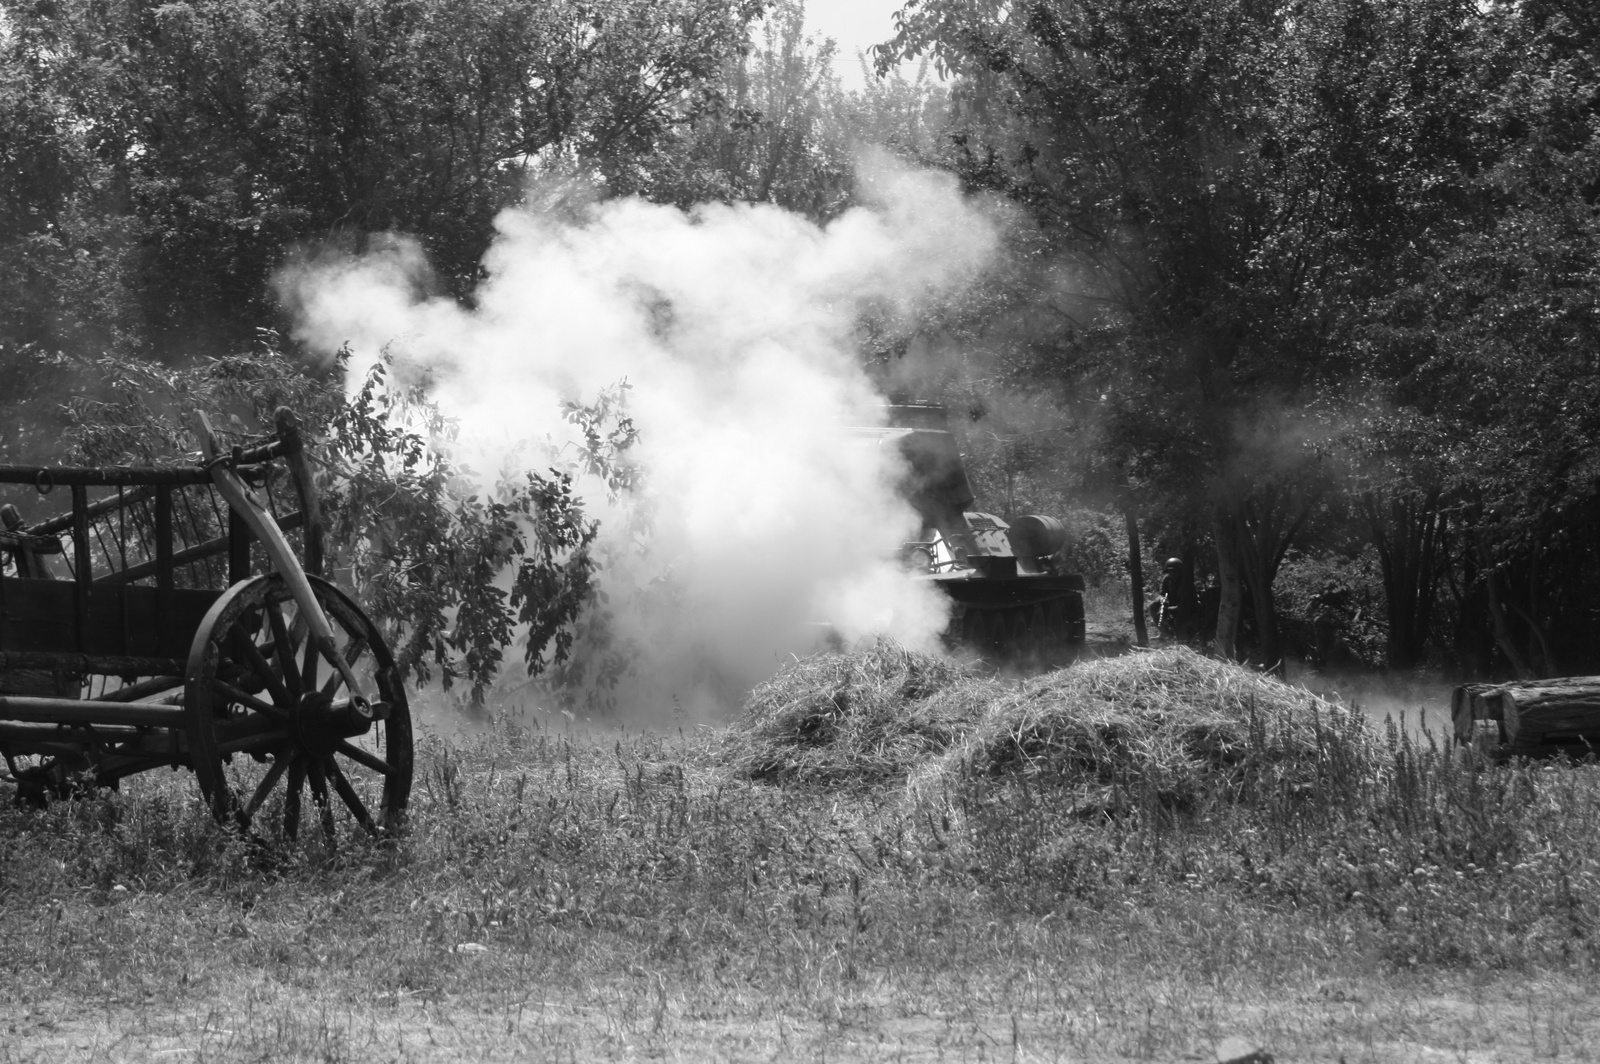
(1024, 617)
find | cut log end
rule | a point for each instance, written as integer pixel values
(1558, 716)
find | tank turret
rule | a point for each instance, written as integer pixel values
(1011, 595)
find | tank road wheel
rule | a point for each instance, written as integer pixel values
(975, 629)
(269, 716)
(1034, 642)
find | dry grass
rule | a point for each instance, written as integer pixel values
(1183, 724)
(1179, 725)
(582, 896)
(866, 717)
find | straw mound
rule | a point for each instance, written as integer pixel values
(1168, 721)
(870, 716)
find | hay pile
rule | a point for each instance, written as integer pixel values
(868, 716)
(1170, 722)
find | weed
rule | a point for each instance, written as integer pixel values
(1143, 884)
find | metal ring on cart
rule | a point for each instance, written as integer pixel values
(44, 483)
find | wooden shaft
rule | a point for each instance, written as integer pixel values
(238, 547)
(51, 733)
(143, 689)
(245, 503)
(294, 455)
(76, 711)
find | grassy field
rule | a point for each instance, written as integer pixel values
(884, 860)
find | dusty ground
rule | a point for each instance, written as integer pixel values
(265, 981)
(647, 1018)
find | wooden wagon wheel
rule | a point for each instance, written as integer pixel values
(269, 716)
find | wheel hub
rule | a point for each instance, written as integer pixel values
(320, 722)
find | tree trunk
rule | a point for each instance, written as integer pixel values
(1231, 605)
(1255, 532)
(1407, 534)
(1188, 598)
(1497, 618)
(1270, 650)
(1136, 578)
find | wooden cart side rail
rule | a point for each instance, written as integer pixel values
(13, 541)
(110, 504)
(209, 549)
(46, 477)
(91, 664)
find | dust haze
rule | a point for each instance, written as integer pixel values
(731, 325)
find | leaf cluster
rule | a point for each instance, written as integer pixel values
(453, 571)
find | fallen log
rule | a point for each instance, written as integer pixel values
(1531, 717)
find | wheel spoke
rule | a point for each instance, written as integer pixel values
(351, 798)
(352, 654)
(244, 698)
(364, 757)
(280, 764)
(291, 796)
(257, 661)
(299, 627)
(308, 672)
(319, 793)
(283, 647)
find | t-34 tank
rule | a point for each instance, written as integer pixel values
(1011, 596)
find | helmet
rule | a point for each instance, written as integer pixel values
(1173, 563)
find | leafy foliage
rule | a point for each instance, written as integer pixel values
(780, 127)
(451, 571)
(190, 148)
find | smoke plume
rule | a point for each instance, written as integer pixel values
(732, 326)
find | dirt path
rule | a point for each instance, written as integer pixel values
(1504, 1018)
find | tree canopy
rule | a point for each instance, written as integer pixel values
(1286, 221)
(165, 158)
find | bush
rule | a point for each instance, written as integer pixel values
(1342, 595)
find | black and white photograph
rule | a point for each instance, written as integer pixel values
(799, 530)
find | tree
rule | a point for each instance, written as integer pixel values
(1228, 181)
(212, 139)
(1482, 363)
(782, 129)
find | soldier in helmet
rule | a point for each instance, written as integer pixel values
(1171, 595)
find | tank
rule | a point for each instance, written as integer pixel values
(1011, 596)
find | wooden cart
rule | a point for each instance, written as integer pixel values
(170, 624)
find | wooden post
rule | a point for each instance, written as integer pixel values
(164, 575)
(81, 571)
(22, 557)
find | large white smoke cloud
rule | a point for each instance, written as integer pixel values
(733, 326)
